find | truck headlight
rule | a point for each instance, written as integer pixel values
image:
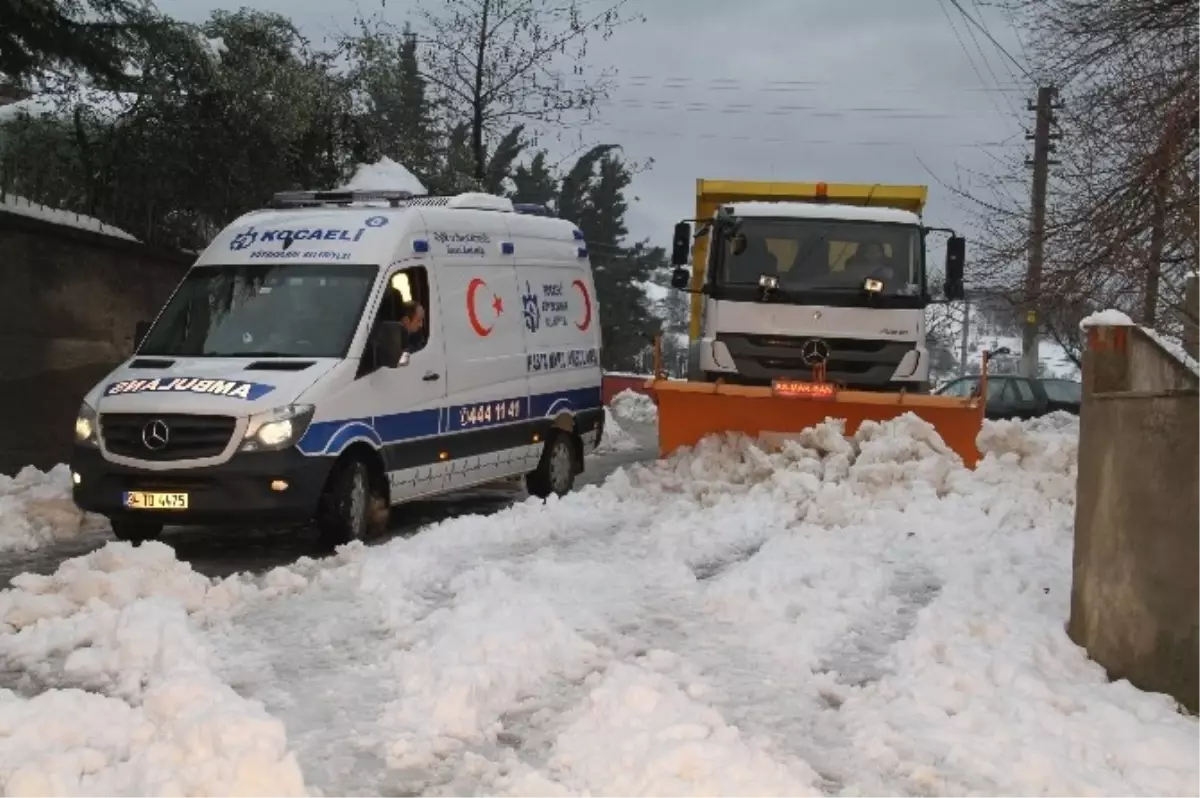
(276, 429)
(85, 426)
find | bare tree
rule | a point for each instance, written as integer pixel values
(1122, 210)
(497, 62)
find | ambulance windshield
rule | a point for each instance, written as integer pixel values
(262, 310)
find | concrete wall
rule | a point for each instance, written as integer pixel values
(69, 302)
(1135, 603)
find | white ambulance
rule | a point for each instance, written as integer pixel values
(276, 384)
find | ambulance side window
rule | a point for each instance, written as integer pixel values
(405, 285)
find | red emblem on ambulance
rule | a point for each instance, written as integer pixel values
(587, 305)
(473, 310)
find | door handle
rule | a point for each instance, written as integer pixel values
(431, 377)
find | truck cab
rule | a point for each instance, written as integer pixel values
(790, 282)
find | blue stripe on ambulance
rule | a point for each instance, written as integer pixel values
(331, 437)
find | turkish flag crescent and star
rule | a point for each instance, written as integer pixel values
(473, 308)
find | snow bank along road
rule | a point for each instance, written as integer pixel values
(40, 525)
(837, 617)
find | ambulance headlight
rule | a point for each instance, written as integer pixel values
(276, 429)
(85, 426)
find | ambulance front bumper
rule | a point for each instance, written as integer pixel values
(251, 487)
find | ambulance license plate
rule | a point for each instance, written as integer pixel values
(138, 500)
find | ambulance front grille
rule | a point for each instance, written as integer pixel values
(187, 437)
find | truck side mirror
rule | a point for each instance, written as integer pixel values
(681, 245)
(680, 278)
(140, 331)
(956, 251)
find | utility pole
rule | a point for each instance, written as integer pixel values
(1043, 145)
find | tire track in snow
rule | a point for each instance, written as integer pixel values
(656, 600)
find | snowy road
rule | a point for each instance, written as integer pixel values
(833, 618)
(224, 551)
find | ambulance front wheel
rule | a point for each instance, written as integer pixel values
(556, 470)
(135, 532)
(350, 507)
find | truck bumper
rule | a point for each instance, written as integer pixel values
(236, 492)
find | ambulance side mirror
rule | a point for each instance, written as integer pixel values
(680, 278)
(681, 244)
(140, 331)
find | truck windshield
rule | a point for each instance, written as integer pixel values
(813, 255)
(262, 310)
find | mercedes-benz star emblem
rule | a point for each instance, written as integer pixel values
(814, 351)
(156, 434)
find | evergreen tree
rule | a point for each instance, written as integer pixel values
(627, 325)
(92, 36)
(500, 162)
(396, 117)
(535, 183)
(573, 195)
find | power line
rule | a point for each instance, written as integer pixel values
(799, 142)
(782, 86)
(815, 111)
(987, 63)
(967, 53)
(979, 11)
(992, 39)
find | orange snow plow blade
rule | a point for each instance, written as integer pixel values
(689, 411)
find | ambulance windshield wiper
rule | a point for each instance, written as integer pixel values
(251, 354)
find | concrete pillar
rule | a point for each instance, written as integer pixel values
(1135, 590)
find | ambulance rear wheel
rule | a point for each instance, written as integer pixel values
(556, 470)
(135, 532)
(346, 511)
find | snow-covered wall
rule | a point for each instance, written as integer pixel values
(73, 295)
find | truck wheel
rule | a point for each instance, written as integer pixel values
(556, 470)
(135, 532)
(347, 508)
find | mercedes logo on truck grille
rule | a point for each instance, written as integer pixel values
(156, 434)
(814, 351)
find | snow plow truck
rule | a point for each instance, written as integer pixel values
(807, 303)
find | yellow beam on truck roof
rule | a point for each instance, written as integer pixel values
(711, 194)
(719, 192)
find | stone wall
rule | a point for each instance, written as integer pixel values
(1135, 602)
(69, 302)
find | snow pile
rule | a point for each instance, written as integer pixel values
(106, 105)
(23, 207)
(822, 616)
(634, 406)
(615, 439)
(36, 510)
(828, 616)
(383, 175)
(124, 701)
(1106, 318)
(215, 48)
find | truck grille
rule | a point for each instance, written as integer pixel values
(187, 437)
(853, 362)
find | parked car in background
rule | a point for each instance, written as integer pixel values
(1010, 396)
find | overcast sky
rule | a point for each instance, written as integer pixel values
(834, 90)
